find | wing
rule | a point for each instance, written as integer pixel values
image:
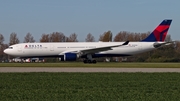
(100, 49)
(93, 50)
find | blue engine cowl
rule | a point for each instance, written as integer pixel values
(70, 56)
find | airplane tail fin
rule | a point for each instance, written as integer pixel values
(159, 34)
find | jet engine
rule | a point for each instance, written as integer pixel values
(70, 57)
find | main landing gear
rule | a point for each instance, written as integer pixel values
(89, 59)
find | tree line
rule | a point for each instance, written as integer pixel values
(170, 53)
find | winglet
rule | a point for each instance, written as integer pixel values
(125, 43)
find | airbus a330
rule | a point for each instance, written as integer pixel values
(70, 51)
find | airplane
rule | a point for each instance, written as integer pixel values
(70, 51)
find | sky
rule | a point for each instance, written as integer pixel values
(86, 16)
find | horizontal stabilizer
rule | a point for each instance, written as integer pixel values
(157, 45)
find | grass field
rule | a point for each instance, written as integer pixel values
(100, 64)
(89, 86)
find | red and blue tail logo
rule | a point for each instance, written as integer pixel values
(159, 34)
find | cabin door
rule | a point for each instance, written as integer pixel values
(51, 48)
(19, 48)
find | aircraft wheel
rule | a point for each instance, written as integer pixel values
(85, 61)
(94, 61)
(89, 61)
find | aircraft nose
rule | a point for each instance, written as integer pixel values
(5, 51)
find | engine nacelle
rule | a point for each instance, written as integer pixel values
(70, 57)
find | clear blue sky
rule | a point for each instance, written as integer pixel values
(86, 16)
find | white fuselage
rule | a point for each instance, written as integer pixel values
(57, 49)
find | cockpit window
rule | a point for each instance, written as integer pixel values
(10, 48)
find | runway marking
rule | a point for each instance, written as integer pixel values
(86, 70)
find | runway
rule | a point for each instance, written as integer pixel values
(85, 70)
